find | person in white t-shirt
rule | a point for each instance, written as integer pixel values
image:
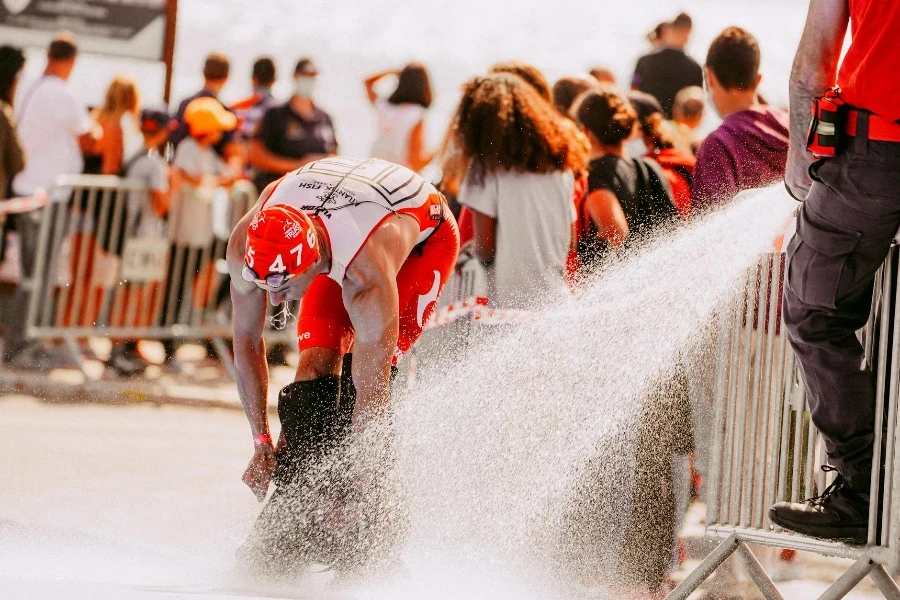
(146, 210)
(523, 158)
(401, 117)
(55, 127)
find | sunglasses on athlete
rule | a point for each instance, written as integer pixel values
(273, 281)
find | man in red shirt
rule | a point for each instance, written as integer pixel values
(850, 213)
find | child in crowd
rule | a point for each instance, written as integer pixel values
(146, 211)
(149, 166)
(198, 175)
(687, 113)
(196, 161)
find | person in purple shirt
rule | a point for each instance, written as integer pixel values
(749, 149)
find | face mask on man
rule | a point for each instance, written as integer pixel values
(305, 86)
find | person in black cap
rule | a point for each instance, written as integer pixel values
(293, 134)
(150, 168)
(149, 165)
(666, 70)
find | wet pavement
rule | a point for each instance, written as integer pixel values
(135, 502)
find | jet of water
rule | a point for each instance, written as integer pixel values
(491, 448)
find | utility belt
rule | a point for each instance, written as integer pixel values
(833, 120)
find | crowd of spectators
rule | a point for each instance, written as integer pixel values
(645, 165)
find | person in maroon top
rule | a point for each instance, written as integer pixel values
(749, 149)
(849, 215)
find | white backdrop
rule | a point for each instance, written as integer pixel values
(454, 38)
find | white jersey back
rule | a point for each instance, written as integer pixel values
(351, 197)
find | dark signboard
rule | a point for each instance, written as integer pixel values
(134, 28)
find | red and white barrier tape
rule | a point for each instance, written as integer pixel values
(15, 206)
(478, 308)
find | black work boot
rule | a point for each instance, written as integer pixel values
(840, 513)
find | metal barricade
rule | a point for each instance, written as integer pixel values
(468, 281)
(766, 449)
(441, 342)
(107, 266)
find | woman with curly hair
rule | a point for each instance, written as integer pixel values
(531, 74)
(521, 158)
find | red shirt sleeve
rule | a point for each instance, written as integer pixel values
(466, 226)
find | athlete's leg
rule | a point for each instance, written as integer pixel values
(318, 362)
(308, 408)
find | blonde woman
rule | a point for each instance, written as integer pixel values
(121, 134)
(96, 246)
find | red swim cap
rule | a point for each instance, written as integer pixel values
(281, 239)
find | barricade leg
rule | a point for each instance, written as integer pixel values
(74, 353)
(849, 580)
(703, 571)
(225, 356)
(757, 574)
(885, 584)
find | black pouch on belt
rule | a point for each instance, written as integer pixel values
(829, 115)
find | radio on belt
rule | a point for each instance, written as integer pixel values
(827, 123)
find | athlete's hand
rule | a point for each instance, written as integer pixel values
(259, 471)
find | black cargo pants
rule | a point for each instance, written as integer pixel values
(844, 232)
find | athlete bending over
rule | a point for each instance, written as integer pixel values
(367, 246)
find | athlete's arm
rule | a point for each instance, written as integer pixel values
(375, 314)
(814, 71)
(372, 302)
(251, 369)
(606, 213)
